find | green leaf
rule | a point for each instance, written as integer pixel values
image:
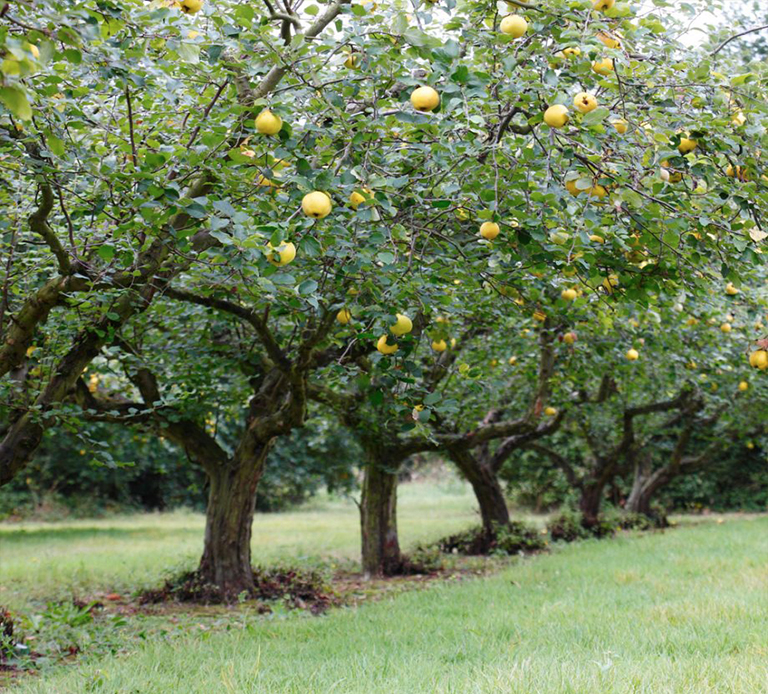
(15, 100)
(308, 287)
(106, 252)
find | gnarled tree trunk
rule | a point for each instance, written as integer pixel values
(485, 485)
(226, 560)
(378, 517)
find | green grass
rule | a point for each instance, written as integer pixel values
(41, 561)
(684, 611)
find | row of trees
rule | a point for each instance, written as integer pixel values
(162, 273)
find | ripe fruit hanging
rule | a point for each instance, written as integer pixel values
(687, 145)
(585, 102)
(385, 348)
(633, 355)
(514, 25)
(267, 123)
(759, 359)
(439, 345)
(425, 99)
(402, 326)
(282, 254)
(621, 125)
(556, 116)
(608, 40)
(569, 294)
(730, 289)
(743, 386)
(316, 204)
(357, 198)
(344, 316)
(603, 66)
(191, 6)
(603, 5)
(489, 230)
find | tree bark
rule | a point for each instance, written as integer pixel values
(485, 485)
(590, 501)
(378, 518)
(226, 560)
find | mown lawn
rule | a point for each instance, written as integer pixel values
(683, 611)
(40, 561)
(680, 611)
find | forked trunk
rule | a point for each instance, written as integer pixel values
(378, 519)
(226, 560)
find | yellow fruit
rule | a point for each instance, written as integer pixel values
(514, 25)
(738, 118)
(191, 6)
(569, 338)
(585, 102)
(550, 411)
(489, 230)
(730, 289)
(352, 61)
(608, 40)
(603, 5)
(610, 282)
(571, 187)
(603, 66)
(743, 386)
(633, 355)
(384, 348)
(425, 99)
(512, 361)
(621, 125)
(439, 345)
(556, 116)
(598, 191)
(402, 326)
(595, 238)
(267, 123)
(34, 50)
(282, 254)
(539, 316)
(344, 316)
(670, 176)
(737, 172)
(316, 204)
(687, 145)
(759, 359)
(357, 198)
(569, 294)
(571, 52)
(726, 327)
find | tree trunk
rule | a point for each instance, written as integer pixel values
(485, 485)
(378, 518)
(590, 501)
(644, 488)
(226, 560)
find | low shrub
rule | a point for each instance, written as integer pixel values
(512, 538)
